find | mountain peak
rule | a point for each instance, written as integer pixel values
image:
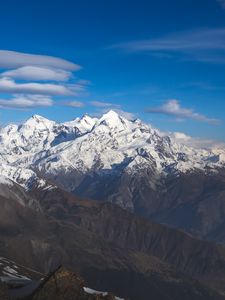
(87, 118)
(37, 122)
(84, 124)
(38, 119)
(112, 119)
(111, 114)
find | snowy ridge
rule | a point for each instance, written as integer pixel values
(24, 177)
(110, 143)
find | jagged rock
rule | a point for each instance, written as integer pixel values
(58, 285)
(65, 285)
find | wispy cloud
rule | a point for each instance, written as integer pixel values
(77, 104)
(37, 74)
(174, 108)
(206, 45)
(201, 85)
(13, 59)
(37, 79)
(10, 86)
(103, 104)
(26, 101)
(222, 3)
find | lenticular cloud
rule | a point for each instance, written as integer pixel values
(13, 59)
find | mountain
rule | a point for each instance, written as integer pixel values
(128, 163)
(112, 249)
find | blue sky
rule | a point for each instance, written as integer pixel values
(162, 61)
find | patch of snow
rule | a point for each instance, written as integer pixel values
(94, 292)
(5, 180)
(8, 270)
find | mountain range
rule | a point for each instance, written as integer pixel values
(124, 162)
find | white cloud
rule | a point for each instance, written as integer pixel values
(103, 104)
(10, 86)
(174, 108)
(181, 136)
(26, 101)
(198, 143)
(75, 104)
(13, 59)
(38, 74)
(77, 88)
(36, 79)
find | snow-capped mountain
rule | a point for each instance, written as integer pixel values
(107, 144)
(114, 159)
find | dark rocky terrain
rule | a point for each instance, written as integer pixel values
(110, 248)
(193, 201)
(58, 285)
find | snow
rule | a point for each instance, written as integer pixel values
(108, 143)
(8, 270)
(112, 120)
(22, 176)
(94, 292)
(4, 180)
(85, 124)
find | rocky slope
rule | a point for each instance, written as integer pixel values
(111, 248)
(58, 284)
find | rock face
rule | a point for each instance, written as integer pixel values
(119, 228)
(109, 247)
(60, 284)
(124, 162)
(65, 285)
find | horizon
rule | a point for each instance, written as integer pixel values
(138, 63)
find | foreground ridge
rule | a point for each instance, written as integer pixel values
(58, 284)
